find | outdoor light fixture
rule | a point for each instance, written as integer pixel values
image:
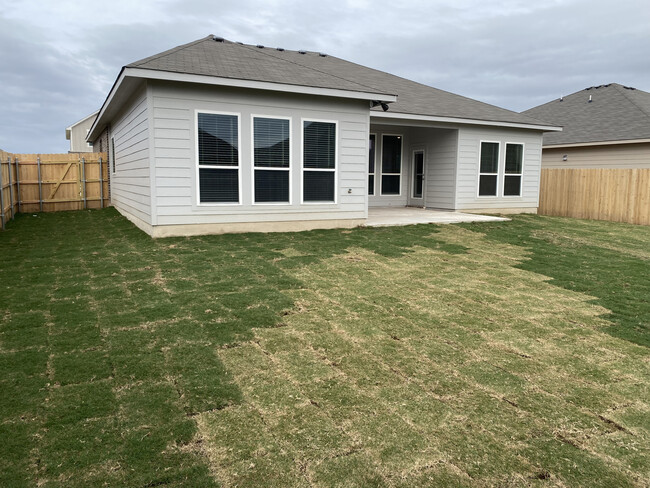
(565, 157)
(375, 103)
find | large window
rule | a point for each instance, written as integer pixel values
(391, 165)
(319, 161)
(514, 170)
(371, 164)
(218, 153)
(271, 159)
(489, 169)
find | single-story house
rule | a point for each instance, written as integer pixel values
(217, 136)
(78, 132)
(606, 126)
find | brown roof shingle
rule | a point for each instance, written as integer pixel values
(246, 62)
(615, 113)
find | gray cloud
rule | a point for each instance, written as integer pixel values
(58, 65)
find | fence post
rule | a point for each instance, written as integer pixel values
(17, 166)
(40, 184)
(83, 181)
(2, 198)
(11, 189)
(101, 184)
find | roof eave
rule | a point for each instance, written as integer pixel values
(150, 74)
(259, 85)
(596, 143)
(459, 120)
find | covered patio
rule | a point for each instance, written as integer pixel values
(387, 216)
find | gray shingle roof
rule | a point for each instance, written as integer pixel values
(615, 113)
(246, 62)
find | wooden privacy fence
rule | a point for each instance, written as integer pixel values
(619, 195)
(51, 182)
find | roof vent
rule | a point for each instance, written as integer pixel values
(302, 52)
(218, 39)
(561, 99)
(240, 43)
(260, 46)
(322, 55)
(279, 49)
(590, 99)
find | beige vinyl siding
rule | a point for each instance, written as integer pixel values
(130, 184)
(469, 147)
(78, 136)
(633, 155)
(175, 109)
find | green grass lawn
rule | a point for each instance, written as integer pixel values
(500, 354)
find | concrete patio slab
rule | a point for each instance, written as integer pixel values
(387, 216)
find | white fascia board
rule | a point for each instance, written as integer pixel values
(215, 80)
(257, 85)
(102, 110)
(599, 143)
(457, 120)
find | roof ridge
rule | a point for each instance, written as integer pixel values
(168, 52)
(622, 90)
(268, 53)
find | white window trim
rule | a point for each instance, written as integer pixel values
(302, 162)
(521, 175)
(401, 167)
(374, 192)
(197, 184)
(414, 152)
(289, 169)
(498, 173)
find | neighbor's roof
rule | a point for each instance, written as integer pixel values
(615, 113)
(213, 56)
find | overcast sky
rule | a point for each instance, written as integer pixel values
(59, 59)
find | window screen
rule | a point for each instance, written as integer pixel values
(514, 169)
(218, 148)
(272, 144)
(319, 160)
(489, 169)
(371, 164)
(391, 165)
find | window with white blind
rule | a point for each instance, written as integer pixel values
(319, 161)
(391, 165)
(488, 169)
(218, 157)
(371, 164)
(513, 170)
(271, 159)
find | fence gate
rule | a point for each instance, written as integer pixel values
(52, 182)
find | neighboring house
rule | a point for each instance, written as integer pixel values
(606, 126)
(216, 136)
(78, 132)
